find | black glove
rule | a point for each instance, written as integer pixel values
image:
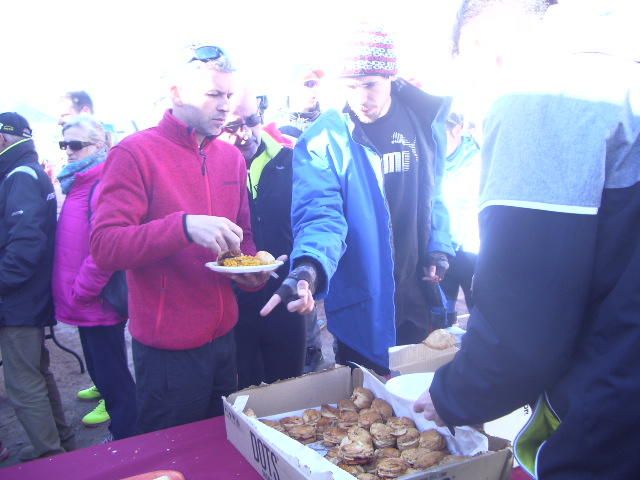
(441, 262)
(288, 290)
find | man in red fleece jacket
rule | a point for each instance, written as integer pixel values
(173, 198)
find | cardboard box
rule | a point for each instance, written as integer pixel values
(418, 358)
(277, 457)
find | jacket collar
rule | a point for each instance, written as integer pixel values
(269, 148)
(20, 153)
(179, 132)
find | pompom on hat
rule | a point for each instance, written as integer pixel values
(370, 51)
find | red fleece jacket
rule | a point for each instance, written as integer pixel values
(150, 181)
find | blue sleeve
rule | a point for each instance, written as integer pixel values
(317, 213)
(530, 290)
(440, 238)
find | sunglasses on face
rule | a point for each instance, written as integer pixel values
(206, 53)
(74, 145)
(250, 121)
(311, 83)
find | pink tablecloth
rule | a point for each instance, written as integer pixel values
(199, 450)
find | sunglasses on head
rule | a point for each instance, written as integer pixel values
(206, 53)
(74, 145)
(250, 121)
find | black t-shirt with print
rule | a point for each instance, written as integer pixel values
(394, 138)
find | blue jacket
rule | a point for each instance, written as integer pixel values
(340, 218)
(27, 236)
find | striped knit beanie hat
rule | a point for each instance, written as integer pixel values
(369, 52)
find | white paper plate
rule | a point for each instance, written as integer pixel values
(248, 269)
(410, 386)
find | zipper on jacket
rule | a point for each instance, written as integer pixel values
(203, 159)
(205, 174)
(163, 294)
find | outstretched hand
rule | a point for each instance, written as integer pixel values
(425, 405)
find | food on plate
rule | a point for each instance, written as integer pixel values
(399, 425)
(303, 433)
(368, 416)
(329, 411)
(241, 260)
(362, 397)
(347, 419)
(265, 257)
(347, 405)
(432, 440)
(440, 340)
(382, 435)
(382, 407)
(288, 422)
(311, 416)
(391, 467)
(274, 424)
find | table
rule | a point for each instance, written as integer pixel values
(199, 450)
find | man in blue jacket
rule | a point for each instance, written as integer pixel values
(556, 316)
(27, 235)
(368, 224)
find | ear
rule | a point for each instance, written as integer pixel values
(174, 94)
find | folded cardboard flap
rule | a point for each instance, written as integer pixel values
(418, 358)
(298, 393)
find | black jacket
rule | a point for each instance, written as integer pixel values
(271, 214)
(27, 237)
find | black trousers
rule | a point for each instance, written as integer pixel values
(106, 356)
(175, 387)
(268, 348)
(459, 276)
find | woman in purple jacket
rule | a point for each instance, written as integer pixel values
(78, 281)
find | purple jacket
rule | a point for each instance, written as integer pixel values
(77, 280)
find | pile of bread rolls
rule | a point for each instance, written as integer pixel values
(365, 439)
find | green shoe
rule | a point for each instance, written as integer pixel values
(91, 393)
(96, 416)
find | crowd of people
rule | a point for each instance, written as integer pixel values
(372, 209)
